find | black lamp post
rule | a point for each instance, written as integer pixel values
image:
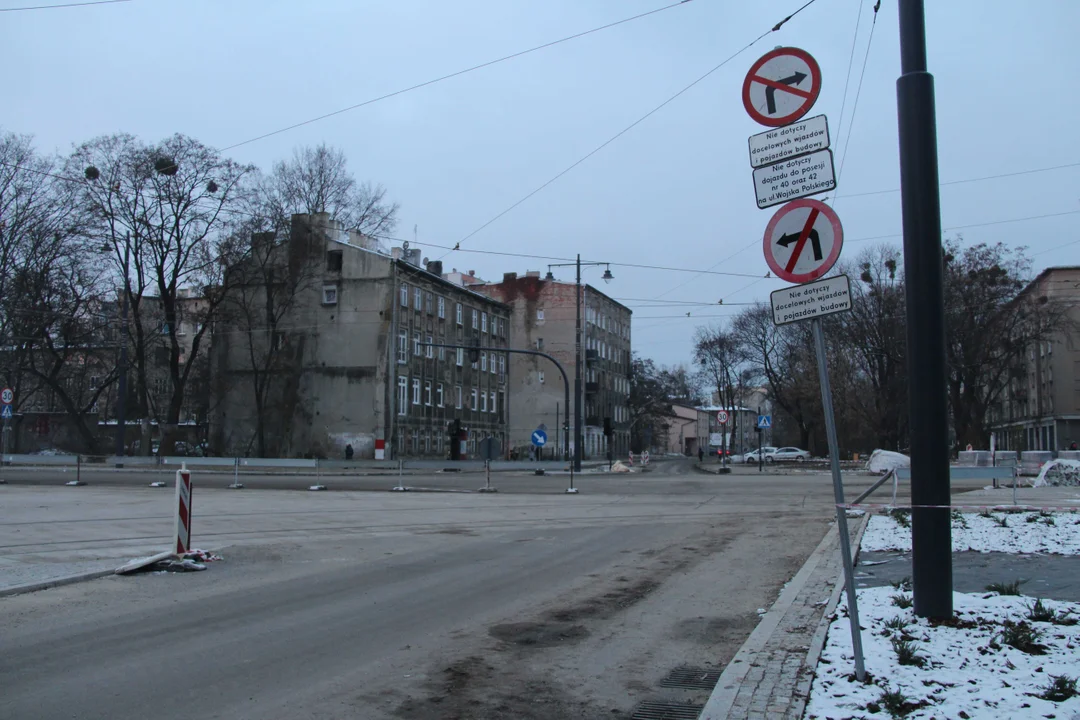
(607, 277)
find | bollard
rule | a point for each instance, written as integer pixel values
(183, 510)
(236, 484)
(400, 485)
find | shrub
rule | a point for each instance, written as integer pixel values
(1022, 636)
(902, 601)
(907, 653)
(901, 517)
(1060, 689)
(1012, 588)
(903, 583)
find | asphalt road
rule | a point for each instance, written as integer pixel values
(399, 605)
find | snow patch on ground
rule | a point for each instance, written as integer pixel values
(1055, 533)
(1059, 473)
(882, 461)
(969, 671)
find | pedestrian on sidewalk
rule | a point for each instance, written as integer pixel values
(701, 454)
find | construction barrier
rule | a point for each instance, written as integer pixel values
(183, 510)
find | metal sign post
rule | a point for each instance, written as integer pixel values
(838, 494)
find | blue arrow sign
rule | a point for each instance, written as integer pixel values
(764, 421)
(6, 412)
(539, 438)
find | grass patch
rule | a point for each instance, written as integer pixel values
(1001, 521)
(903, 583)
(1060, 689)
(1011, 588)
(895, 703)
(902, 601)
(986, 514)
(902, 517)
(1038, 612)
(959, 519)
(1022, 636)
(897, 623)
(907, 653)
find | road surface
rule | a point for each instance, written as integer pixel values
(406, 605)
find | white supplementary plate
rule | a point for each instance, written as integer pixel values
(795, 178)
(811, 300)
(773, 146)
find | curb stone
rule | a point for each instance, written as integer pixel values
(55, 582)
(722, 703)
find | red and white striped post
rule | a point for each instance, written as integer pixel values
(183, 510)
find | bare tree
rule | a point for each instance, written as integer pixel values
(722, 357)
(872, 337)
(317, 180)
(169, 203)
(783, 357)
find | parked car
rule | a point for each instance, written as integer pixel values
(752, 456)
(788, 454)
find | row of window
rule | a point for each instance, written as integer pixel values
(423, 300)
(429, 394)
(604, 350)
(606, 322)
(424, 348)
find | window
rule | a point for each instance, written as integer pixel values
(475, 319)
(416, 391)
(418, 299)
(539, 343)
(402, 395)
(441, 305)
(416, 344)
(491, 395)
(333, 261)
(329, 295)
(160, 386)
(458, 314)
(427, 303)
(427, 393)
(93, 381)
(540, 376)
(483, 401)
(474, 405)
(483, 362)
(483, 322)
(493, 363)
(402, 347)
(439, 395)
(442, 353)
(429, 352)
(502, 403)
(502, 365)
(540, 314)
(404, 295)
(460, 352)
(457, 396)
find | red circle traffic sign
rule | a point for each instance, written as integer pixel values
(803, 240)
(781, 86)
(7, 396)
(722, 417)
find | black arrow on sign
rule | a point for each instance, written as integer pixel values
(770, 91)
(786, 240)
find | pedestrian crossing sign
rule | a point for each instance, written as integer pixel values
(6, 412)
(764, 421)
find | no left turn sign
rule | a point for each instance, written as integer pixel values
(803, 240)
(781, 86)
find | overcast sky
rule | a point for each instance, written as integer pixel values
(674, 191)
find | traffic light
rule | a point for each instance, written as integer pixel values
(608, 430)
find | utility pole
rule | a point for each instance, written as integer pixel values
(577, 369)
(931, 532)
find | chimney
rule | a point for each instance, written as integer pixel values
(533, 273)
(435, 267)
(509, 277)
(472, 273)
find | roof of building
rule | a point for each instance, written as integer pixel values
(587, 286)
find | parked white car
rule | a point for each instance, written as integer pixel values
(752, 456)
(787, 454)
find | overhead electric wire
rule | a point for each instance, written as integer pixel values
(969, 180)
(65, 5)
(452, 75)
(847, 76)
(628, 128)
(858, 92)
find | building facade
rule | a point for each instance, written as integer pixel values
(349, 359)
(543, 318)
(1040, 410)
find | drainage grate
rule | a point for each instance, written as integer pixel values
(691, 678)
(654, 710)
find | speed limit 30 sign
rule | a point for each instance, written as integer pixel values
(7, 396)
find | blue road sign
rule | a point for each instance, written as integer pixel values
(539, 438)
(6, 412)
(764, 421)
